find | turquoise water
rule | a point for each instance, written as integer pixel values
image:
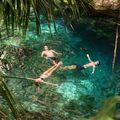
(79, 92)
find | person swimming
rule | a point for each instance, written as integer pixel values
(50, 54)
(47, 73)
(91, 64)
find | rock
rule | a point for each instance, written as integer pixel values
(106, 7)
(106, 4)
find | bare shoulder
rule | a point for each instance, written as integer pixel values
(43, 52)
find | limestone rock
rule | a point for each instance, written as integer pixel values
(106, 4)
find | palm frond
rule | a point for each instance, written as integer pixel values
(6, 94)
(108, 109)
(17, 12)
(4, 113)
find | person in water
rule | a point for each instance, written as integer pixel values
(50, 54)
(47, 73)
(91, 64)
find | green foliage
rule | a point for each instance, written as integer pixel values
(13, 104)
(108, 109)
(16, 13)
(4, 113)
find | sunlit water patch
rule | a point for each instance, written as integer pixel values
(72, 90)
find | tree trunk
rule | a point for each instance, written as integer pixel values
(115, 49)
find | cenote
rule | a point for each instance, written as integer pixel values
(79, 94)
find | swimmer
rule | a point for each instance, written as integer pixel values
(50, 54)
(47, 73)
(91, 64)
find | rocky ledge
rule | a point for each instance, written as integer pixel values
(106, 4)
(108, 7)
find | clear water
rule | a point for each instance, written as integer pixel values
(79, 92)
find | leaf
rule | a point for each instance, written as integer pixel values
(107, 110)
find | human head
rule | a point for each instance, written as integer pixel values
(97, 63)
(45, 47)
(37, 81)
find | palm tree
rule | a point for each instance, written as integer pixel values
(16, 13)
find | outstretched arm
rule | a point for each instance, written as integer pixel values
(55, 52)
(42, 54)
(89, 58)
